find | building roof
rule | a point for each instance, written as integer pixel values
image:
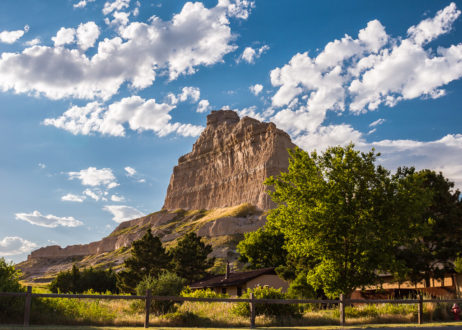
(234, 279)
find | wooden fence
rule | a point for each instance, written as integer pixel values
(342, 302)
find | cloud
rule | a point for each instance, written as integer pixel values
(122, 212)
(13, 245)
(116, 5)
(327, 136)
(50, 221)
(360, 74)
(33, 42)
(191, 93)
(82, 3)
(249, 54)
(377, 122)
(87, 34)
(256, 89)
(203, 106)
(64, 36)
(10, 37)
(196, 36)
(95, 177)
(138, 113)
(130, 171)
(41, 165)
(73, 198)
(94, 194)
(116, 198)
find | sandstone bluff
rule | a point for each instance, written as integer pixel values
(228, 164)
(216, 190)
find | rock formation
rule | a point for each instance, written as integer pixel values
(220, 182)
(228, 164)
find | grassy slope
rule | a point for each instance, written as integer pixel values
(184, 221)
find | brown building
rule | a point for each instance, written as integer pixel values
(235, 283)
(450, 286)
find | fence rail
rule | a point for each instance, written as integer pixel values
(148, 298)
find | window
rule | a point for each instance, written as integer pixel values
(223, 290)
(239, 291)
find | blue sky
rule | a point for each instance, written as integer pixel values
(100, 98)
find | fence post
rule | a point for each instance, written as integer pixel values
(341, 307)
(252, 311)
(420, 310)
(27, 306)
(147, 308)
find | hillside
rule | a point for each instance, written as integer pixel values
(221, 228)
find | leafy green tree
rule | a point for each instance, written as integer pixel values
(262, 248)
(80, 281)
(165, 284)
(343, 215)
(148, 258)
(438, 237)
(10, 307)
(189, 258)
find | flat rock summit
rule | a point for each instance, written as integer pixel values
(216, 190)
(228, 164)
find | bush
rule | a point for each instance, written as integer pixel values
(166, 284)
(207, 293)
(11, 308)
(243, 309)
(76, 281)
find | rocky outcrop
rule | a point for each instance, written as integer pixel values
(228, 164)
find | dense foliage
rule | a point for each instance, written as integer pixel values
(76, 281)
(9, 282)
(189, 258)
(148, 258)
(432, 252)
(165, 284)
(262, 248)
(342, 218)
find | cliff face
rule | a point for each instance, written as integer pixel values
(220, 182)
(228, 164)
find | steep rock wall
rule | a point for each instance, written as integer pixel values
(228, 164)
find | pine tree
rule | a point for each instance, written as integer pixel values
(148, 258)
(189, 258)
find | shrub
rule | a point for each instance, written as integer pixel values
(166, 284)
(11, 308)
(207, 293)
(80, 281)
(243, 309)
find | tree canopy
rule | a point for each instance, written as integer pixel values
(189, 258)
(344, 215)
(148, 258)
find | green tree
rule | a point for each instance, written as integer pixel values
(343, 215)
(262, 248)
(148, 258)
(438, 241)
(165, 284)
(10, 307)
(189, 258)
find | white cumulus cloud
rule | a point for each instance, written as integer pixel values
(196, 36)
(82, 3)
(203, 106)
(256, 89)
(95, 177)
(10, 37)
(138, 113)
(250, 54)
(14, 245)
(50, 221)
(73, 198)
(123, 212)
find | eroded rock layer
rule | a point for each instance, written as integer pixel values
(228, 164)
